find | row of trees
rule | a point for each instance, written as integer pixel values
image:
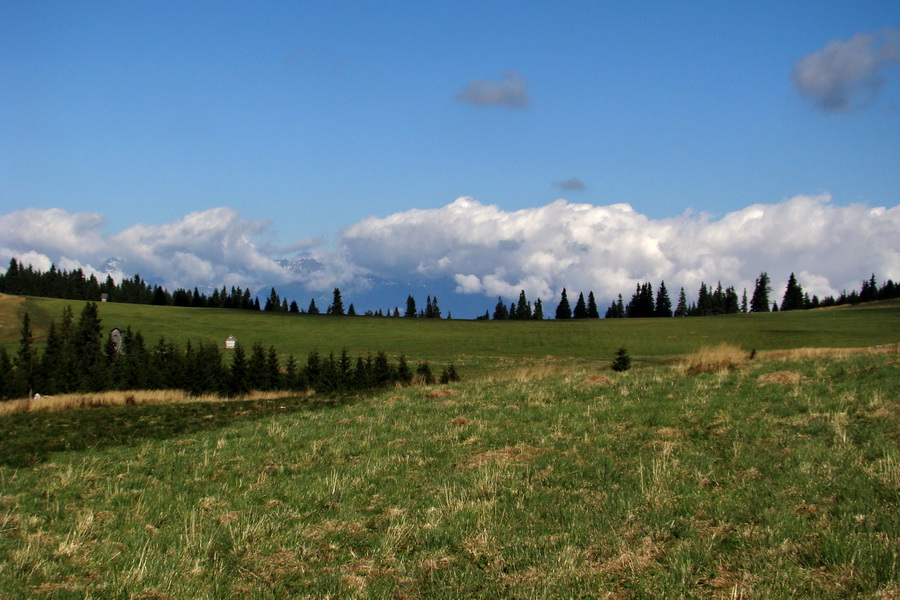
(645, 303)
(76, 358)
(74, 285)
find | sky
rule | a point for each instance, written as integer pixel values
(498, 146)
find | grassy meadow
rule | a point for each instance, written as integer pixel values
(479, 347)
(702, 476)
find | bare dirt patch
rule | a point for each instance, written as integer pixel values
(460, 422)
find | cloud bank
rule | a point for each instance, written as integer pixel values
(510, 92)
(204, 249)
(482, 249)
(609, 249)
(846, 75)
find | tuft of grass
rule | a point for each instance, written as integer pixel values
(718, 359)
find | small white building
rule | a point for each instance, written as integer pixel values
(230, 343)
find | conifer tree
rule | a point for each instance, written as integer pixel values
(501, 312)
(523, 308)
(759, 302)
(410, 307)
(592, 311)
(538, 313)
(563, 310)
(7, 386)
(273, 370)
(663, 306)
(580, 311)
(337, 304)
(88, 347)
(26, 359)
(313, 309)
(681, 310)
(256, 367)
(793, 295)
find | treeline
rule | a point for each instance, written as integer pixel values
(710, 301)
(78, 357)
(24, 280)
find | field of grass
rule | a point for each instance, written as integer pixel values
(771, 480)
(481, 347)
(542, 475)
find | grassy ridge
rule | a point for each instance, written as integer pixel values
(646, 484)
(483, 345)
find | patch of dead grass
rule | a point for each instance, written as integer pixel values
(442, 393)
(721, 358)
(597, 380)
(125, 398)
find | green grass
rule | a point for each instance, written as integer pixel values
(654, 485)
(482, 346)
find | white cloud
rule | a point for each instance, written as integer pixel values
(845, 75)
(609, 249)
(510, 92)
(483, 250)
(204, 249)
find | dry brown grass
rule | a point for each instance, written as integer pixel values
(724, 357)
(810, 353)
(597, 380)
(125, 398)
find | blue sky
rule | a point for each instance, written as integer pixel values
(314, 116)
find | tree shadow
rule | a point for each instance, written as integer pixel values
(29, 438)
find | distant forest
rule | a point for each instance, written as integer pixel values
(644, 301)
(79, 357)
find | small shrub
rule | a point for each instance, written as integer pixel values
(449, 374)
(423, 374)
(622, 362)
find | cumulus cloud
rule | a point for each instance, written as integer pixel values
(570, 184)
(204, 249)
(483, 250)
(609, 249)
(845, 75)
(510, 92)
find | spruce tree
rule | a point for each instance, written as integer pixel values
(580, 311)
(26, 359)
(538, 313)
(663, 306)
(337, 304)
(592, 311)
(759, 302)
(501, 312)
(410, 307)
(523, 308)
(313, 309)
(563, 310)
(793, 295)
(88, 347)
(682, 309)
